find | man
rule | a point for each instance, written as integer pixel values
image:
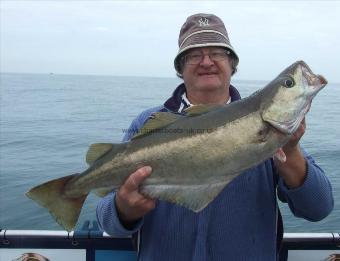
(242, 222)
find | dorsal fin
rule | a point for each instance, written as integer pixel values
(157, 121)
(96, 151)
(200, 109)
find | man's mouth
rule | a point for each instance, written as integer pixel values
(207, 73)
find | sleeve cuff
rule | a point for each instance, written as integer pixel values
(119, 227)
(304, 186)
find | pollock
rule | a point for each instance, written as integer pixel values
(195, 155)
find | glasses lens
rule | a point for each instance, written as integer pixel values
(194, 58)
(218, 55)
(215, 55)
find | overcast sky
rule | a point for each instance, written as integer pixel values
(139, 38)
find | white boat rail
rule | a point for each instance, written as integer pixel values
(91, 244)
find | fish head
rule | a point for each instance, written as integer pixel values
(290, 97)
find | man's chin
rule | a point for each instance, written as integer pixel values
(210, 84)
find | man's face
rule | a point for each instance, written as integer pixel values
(208, 73)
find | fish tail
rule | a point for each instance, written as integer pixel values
(50, 195)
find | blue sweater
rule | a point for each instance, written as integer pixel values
(240, 224)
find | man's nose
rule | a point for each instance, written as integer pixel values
(206, 60)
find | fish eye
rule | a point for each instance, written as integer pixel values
(289, 83)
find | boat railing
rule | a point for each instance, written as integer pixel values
(93, 244)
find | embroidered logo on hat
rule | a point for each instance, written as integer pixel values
(203, 21)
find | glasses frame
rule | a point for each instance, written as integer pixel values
(220, 55)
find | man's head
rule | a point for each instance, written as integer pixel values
(203, 30)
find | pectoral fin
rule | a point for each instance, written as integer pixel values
(194, 197)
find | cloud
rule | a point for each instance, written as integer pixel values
(102, 29)
(140, 38)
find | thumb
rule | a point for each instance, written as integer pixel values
(135, 179)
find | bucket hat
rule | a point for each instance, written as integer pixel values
(203, 30)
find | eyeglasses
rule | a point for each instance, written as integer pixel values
(197, 57)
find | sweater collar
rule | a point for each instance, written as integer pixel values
(176, 103)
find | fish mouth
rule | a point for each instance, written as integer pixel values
(314, 82)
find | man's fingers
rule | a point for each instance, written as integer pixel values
(148, 203)
(303, 123)
(301, 130)
(151, 204)
(135, 179)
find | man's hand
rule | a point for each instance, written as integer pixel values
(294, 170)
(293, 143)
(130, 204)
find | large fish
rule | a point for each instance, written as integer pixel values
(193, 157)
